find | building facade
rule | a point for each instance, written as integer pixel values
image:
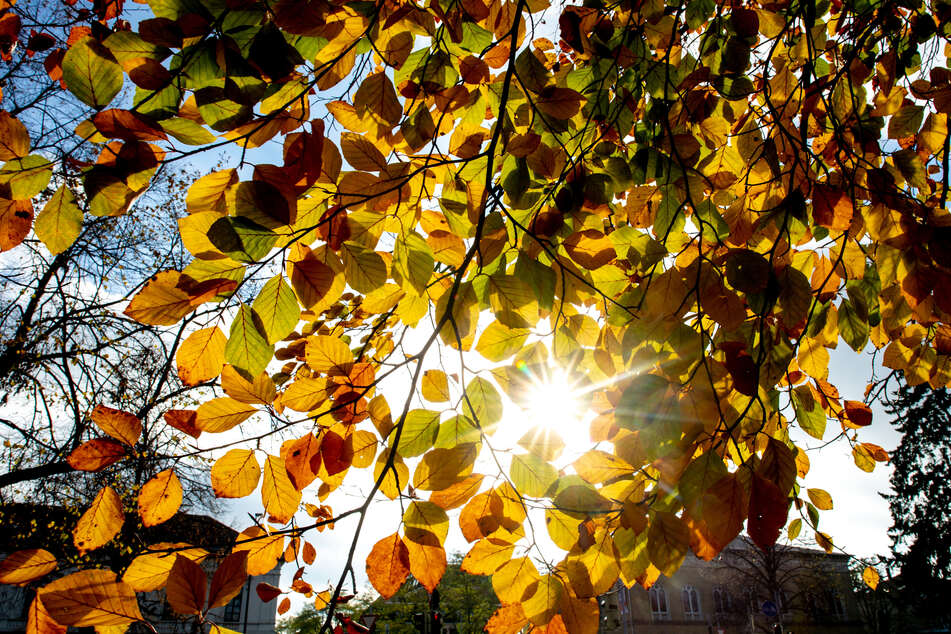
(743, 590)
(246, 613)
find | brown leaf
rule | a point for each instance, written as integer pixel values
(185, 591)
(229, 579)
(95, 455)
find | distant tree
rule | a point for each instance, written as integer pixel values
(921, 485)
(466, 601)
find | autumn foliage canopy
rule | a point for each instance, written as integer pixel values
(685, 205)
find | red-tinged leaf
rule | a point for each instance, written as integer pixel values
(95, 455)
(23, 566)
(831, 207)
(185, 591)
(388, 565)
(125, 124)
(767, 514)
(229, 579)
(859, 414)
(267, 592)
(309, 554)
(183, 420)
(122, 426)
(559, 103)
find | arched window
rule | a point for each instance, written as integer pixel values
(722, 601)
(658, 598)
(691, 599)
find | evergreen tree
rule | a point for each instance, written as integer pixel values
(921, 481)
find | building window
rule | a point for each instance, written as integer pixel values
(658, 599)
(691, 599)
(722, 601)
(233, 608)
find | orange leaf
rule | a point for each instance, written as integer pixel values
(160, 498)
(185, 591)
(235, 474)
(871, 577)
(458, 494)
(122, 426)
(263, 549)
(101, 521)
(309, 554)
(427, 558)
(388, 565)
(311, 280)
(508, 619)
(14, 139)
(90, 598)
(284, 606)
(590, 248)
(859, 414)
(39, 621)
(16, 219)
(23, 566)
(94, 455)
(229, 579)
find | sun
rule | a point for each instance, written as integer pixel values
(556, 400)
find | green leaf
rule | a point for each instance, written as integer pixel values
(91, 73)
(241, 239)
(419, 432)
(852, 326)
(531, 475)
(187, 131)
(277, 309)
(60, 222)
(247, 349)
(482, 403)
(499, 342)
(24, 178)
(457, 430)
(809, 412)
(413, 262)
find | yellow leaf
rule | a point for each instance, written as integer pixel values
(23, 566)
(435, 386)
(428, 517)
(441, 468)
(458, 494)
(499, 342)
(235, 474)
(201, 356)
(221, 414)
(122, 426)
(160, 498)
(597, 466)
(813, 358)
(870, 577)
(542, 599)
(208, 192)
(328, 354)
(487, 556)
(508, 619)
(281, 499)
(361, 153)
(162, 302)
(101, 521)
(263, 549)
(90, 598)
(513, 579)
(149, 571)
(820, 498)
(427, 558)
